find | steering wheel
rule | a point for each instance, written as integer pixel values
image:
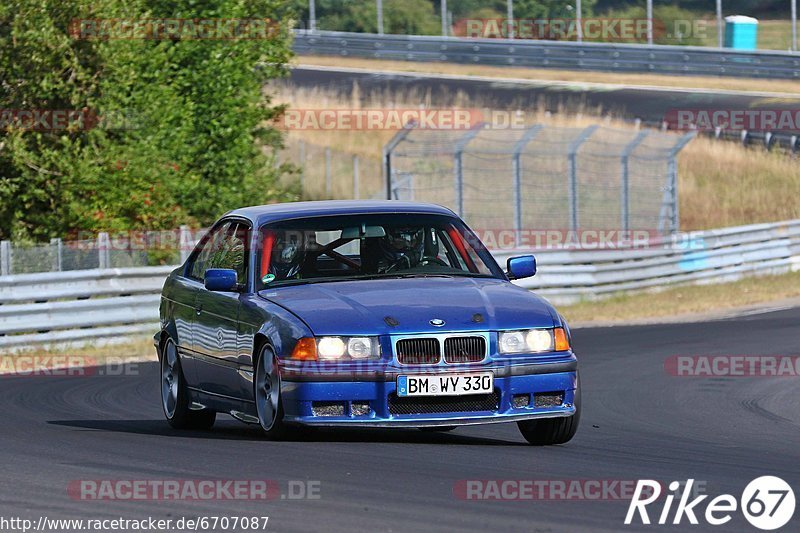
(403, 260)
(431, 259)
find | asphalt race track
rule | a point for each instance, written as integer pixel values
(649, 104)
(638, 422)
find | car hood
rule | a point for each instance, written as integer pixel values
(407, 305)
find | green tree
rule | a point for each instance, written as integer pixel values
(186, 133)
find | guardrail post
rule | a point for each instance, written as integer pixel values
(103, 250)
(5, 258)
(355, 178)
(56, 252)
(572, 161)
(516, 168)
(625, 182)
(387, 155)
(458, 171)
(185, 243)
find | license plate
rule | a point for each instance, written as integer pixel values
(445, 384)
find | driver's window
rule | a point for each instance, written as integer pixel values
(208, 246)
(232, 252)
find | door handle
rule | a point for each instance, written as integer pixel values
(198, 310)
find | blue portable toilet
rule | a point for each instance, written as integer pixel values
(741, 33)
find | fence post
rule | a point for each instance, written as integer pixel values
(5, 258)
(302, 167)
(185, 243)
(355, 178)
(387, 155)
(56, 251)
(516, 168)
(670, 200)
(624, 179)
(458, 171)
(328, 179)
(103, 251)
(573, 173)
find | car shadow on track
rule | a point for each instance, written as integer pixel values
(229, 430)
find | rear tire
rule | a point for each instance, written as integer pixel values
(267, 394)
(175, 396)
(547, 431)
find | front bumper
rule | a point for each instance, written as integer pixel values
(304, 393)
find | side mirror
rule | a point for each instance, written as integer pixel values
(523, 266)
(220, 279)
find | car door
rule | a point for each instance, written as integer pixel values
(184, 297)
(215, 329)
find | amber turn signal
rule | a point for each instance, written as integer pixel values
(305, 350)
(562, 342)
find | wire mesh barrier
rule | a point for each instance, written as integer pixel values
(116, 250)
(543, 178)
(326, 173)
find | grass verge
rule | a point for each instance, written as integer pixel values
(686, 300)
(51, 360)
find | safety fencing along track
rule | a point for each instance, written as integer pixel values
(661, 59)
(82, 305)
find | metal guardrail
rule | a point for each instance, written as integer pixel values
(702, 257)
(60, 307)
(78, 305)
(661, 59)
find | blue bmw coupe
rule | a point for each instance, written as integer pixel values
(356, 313)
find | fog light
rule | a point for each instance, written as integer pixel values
(548, 399)
(360, 408)
(521, 400)
(327, 408)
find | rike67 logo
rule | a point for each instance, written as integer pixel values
(767, 503)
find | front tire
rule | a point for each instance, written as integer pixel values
(547, 431)
(267, 393)
(175, 396)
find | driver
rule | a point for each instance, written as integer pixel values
(287, 255)
(401, 248)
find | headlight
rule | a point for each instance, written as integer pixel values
(336, 348)
(359, 347)
(539, 340)
(331, 348)
(512, 341)
(526, 341)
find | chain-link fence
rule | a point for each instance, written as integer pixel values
(325, 173)
(542, 177)
(105, 250)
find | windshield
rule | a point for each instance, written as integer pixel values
(352, 247)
